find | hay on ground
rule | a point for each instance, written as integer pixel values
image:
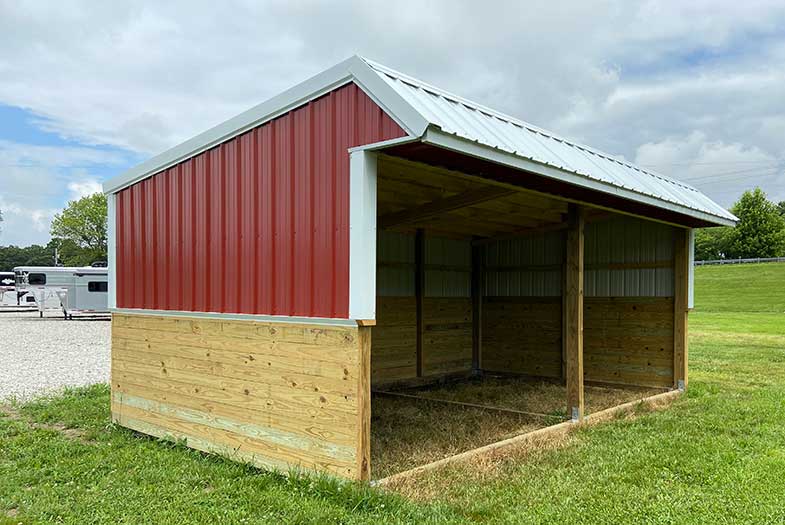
(408, 432)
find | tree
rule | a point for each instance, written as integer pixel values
(712, 243)
(80, 231)
(780, 207)
(34, 255)
(761, 228)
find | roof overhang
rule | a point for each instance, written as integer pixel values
(457, 144)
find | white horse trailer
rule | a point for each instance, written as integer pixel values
(73, 290)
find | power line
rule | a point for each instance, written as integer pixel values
(710, 163)
(723, 175)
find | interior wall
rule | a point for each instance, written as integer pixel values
(628, 340)
(628, 303)
(522, 305)
(447, 308)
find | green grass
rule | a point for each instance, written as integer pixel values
(740, 288)
(716, 456)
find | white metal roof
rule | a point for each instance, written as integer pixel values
(471, 121)
(438, 117)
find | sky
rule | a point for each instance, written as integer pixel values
(694, 90)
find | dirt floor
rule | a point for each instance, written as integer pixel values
(408, 432)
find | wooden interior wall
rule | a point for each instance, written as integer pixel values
(447, 335)
(522, 335)
(394, 347)
(629, 340)
(273, 394)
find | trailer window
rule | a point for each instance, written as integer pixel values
(36, 278)
(97, 286)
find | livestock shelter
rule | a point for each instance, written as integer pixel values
(366, 234)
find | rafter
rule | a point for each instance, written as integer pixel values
(440, 206)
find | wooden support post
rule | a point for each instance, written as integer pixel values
(681, 275)
(564, 316)
(478, 291)
(573, 313)
(419, 291)
(364, 404)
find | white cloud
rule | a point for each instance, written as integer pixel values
(84, 188)
(612, 73)
(33, 180)
(721, 170)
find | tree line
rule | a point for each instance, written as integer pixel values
(79, 234)
(759, 233)
(78, 238)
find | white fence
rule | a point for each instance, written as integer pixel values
(741, 261)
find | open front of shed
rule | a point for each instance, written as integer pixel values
(367, 236)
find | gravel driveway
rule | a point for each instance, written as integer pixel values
(44, 355)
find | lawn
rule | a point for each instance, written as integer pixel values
(716, 456)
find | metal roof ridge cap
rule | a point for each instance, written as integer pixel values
(388, 98)
(295, 96)
(617, 190)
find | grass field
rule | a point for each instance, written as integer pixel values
(716, 456)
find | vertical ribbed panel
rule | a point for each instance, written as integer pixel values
(447, 261)
(395, 272)
(630, 241)
(258, 224)
(525, 267)
(448, 267)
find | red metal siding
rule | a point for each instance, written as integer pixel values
(256, 225)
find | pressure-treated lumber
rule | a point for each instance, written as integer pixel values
(364, 405)
(573, 312)
(440, 206)
(628, 340)
(520, 442)
(278, 395)
(477, 295)
(680, 311)
(522, 335)
(394, 351)
(419, 292)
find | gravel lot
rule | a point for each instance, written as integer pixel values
(44, 355)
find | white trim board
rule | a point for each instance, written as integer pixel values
(111, 234)
(362, 235)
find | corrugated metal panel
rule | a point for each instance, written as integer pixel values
(525, 267)
(627, 240)
(450, 269)
(466, 119)
(395, 274)
(258, 224)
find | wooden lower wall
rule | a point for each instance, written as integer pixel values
(394, 349)
(522, 335)
(446, 338)
(628, 340)
(272, 394)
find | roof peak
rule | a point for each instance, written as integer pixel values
(415, 82)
